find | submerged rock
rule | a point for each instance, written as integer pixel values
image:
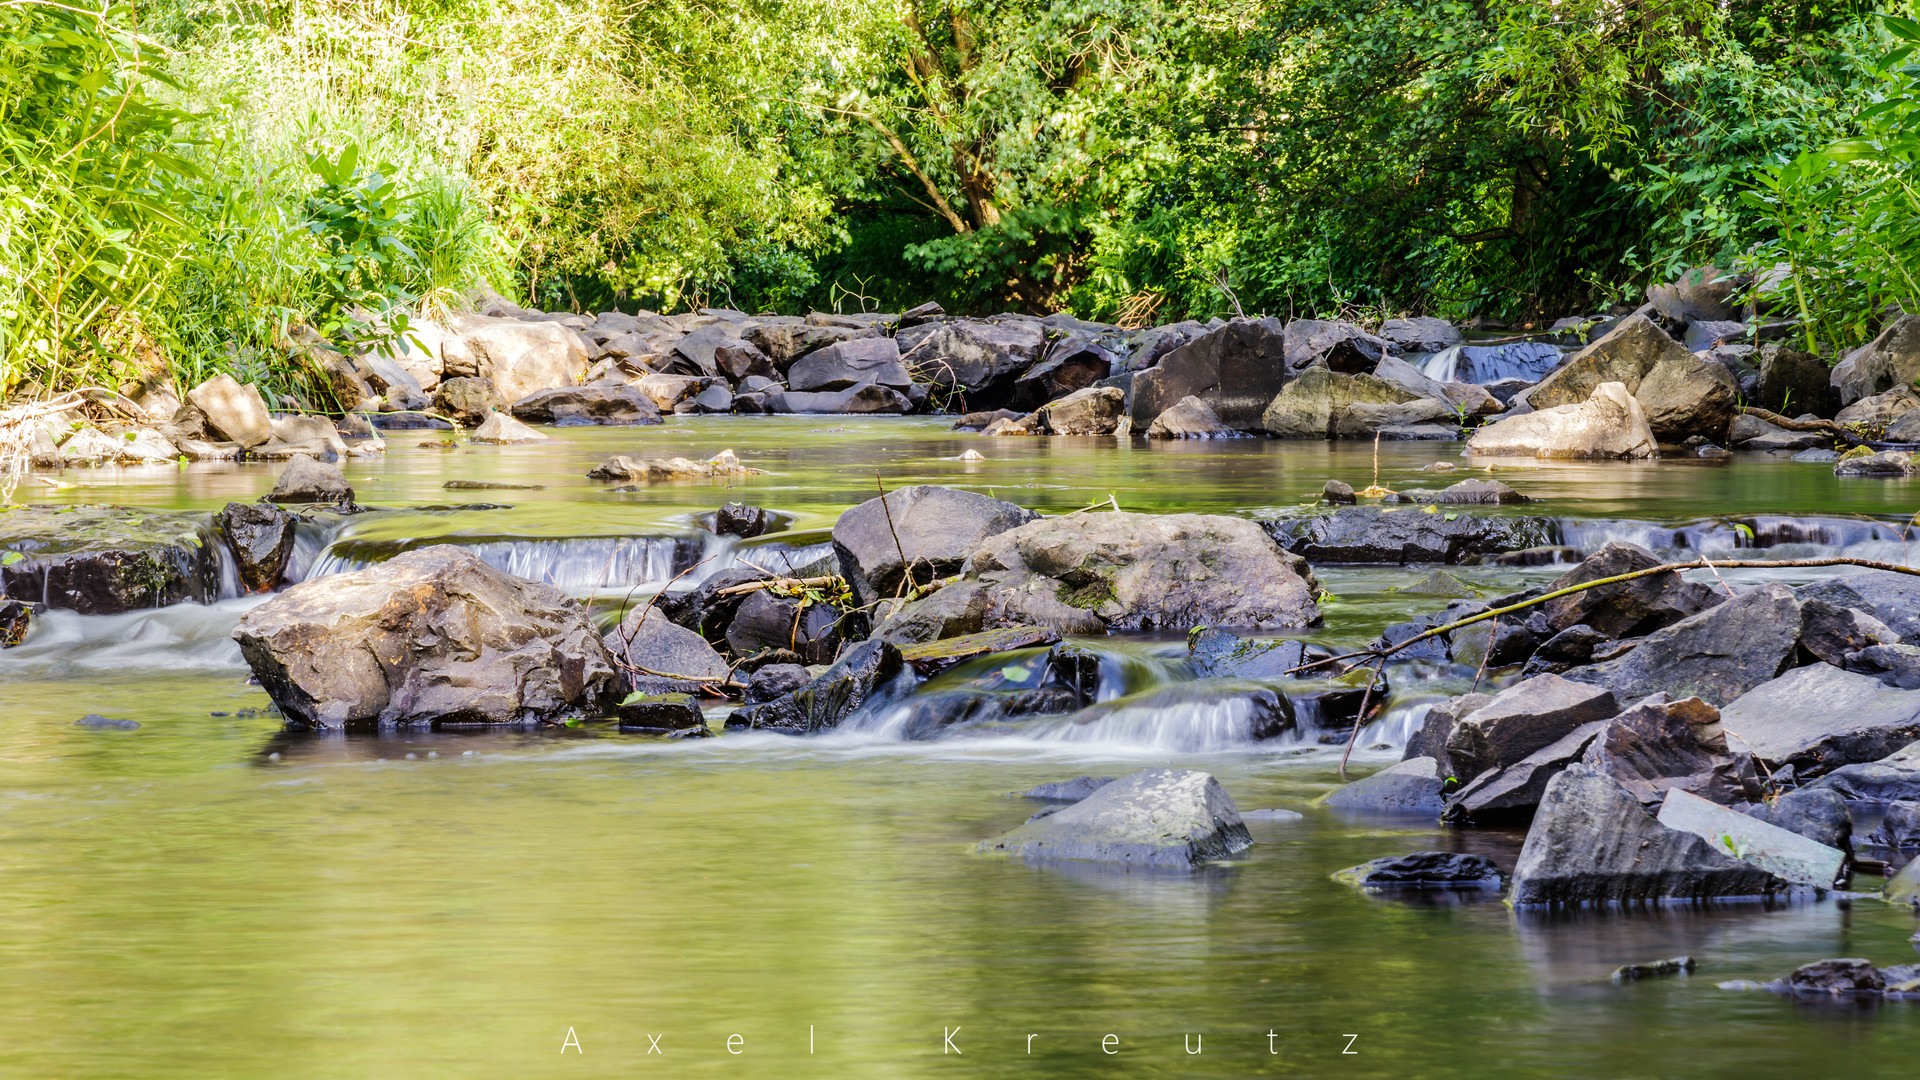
(1413, 786)
(1174, 819)
(622, 467)
(1593, 844)
(106, 723)
(1424, 870)
(103, 560)
(431, 637)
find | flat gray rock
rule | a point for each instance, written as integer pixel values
(1412, 786)
(1523, 718)
(1786, 855)
(1172, 819)
(1819, 718)
(1894, 778)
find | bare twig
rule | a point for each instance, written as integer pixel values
(1360, 718)
(906, 568)
(777, 583)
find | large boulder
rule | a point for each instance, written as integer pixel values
(1819, 718)
(1593, 844)
(1686, 397)
(1891, 360)
(981, 360)
(933, 527)
(1609, 424)
(1097, 410)
(864, 398)
(1121, 571)
(1718, 654)
(765, 621)
(1512, 792)
(1818, 813)
(1236, 370)
(850, 363)
(1660, 745)
(1627, 608)
(1625, 355)
(103, 560)
(234, 412)
(429, 638)
(1523, 718)
(305, 480)
(862, 675)
(1795, 382)
(661, 656)
(520, 357)
(261, 538)
(1373, 534)
(1325, 404)
(1785, 854)
(1892, 598)
(1340, 346)
(1190, 418)
(567, 406)
(1174, 819)
(467, 400)
(1877, 412)
(1894, 778)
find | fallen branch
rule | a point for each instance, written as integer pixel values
(1791, 424)
(777, 583)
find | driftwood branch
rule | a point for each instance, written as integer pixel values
(777, 583)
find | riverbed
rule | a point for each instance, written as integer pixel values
(208, 895)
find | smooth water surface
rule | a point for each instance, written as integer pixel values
(207, 896)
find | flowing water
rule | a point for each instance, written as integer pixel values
(209, 896)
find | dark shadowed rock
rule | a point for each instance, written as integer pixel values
(261, 538)
(1236, 370)
(1593, 844)
(1464, 493)
(467, 400)
(1512, 792)
(1890, 361)
(957, 610)
(1216, 653)
(1424, 870)
(1373, 534)
(1335, 493)
(1174, 819)
(823, 704)
(1891, 597)
(1834, 634)
(571, 406)
(1818, 718)
(1817, 813)
(661, 712)
(766, 621)
(1190, 418)
(1337, 346)
(1069, 791)
(1421, 334)
(1629, 608)
(1899, 827)
(1659, 746)
(430, 637)
(774, 680)
(850, 363)
(1072, 364)
(1894, 778)
(102, 560)
(740, 519)
(979, 359)
(1717, 655)
(1413, 786)
(1833, 978)
(934, 527)
(1523, 718)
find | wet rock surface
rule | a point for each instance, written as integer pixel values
(1168, 819)
(866, 670)
(102, 560)
(1424, 870)
(1373, 534)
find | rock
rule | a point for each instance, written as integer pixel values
(1073, 364)
(467, 400)
(16, 618)
(1790, 379)
(1877, 411)
(663, 655)
(1464, 493)
(430, 637)
(1893, 598)
(90, 446)
(1523, 718)
(1834, 634)
(1817, 813)
(1424, 870)
(1818, 718)
(1337, 494)
(106, 723)
(740, 360)
(1420, 334)
(1626, 354)
(955, 611)
(1886, 463)
(1904, 888)
(931, 658)
(1160, 818)
(1470, 399)
(1679, 965)
(866, 398)
(1190, 418)
(980, 359)
(517, 356)
(236, 413)
(1513, 792)
(661, 712)
(1236, 370)
(857, 677)
(1440, 584)
(975, 421)
(1891, 360)
(503, 430)
(1337, 346)
(1413, 786)
(1718, 654)
(1894, 778)
(1085, 572)
(1025, 425)
(850, 363)
(1660, 745)
(1786, 855)
(938, 525)
(1378, 535)
(1819, 457)
(1592, 844)
(103, 560)
(621, 467)
(1895, 665)
(1752, 433)
(1321, 404)
(306, 481)
(1833, 978)
(765, 621)
(1430, 740)
(1687, 397)
(1905, 428)
(260, 537)
(570, 406)
(739, 519)
(774, 680)
(1629, 608)
(1899, 827)
(1702, 294)
(1610, 424)
(1068, 791)
(1097, 410)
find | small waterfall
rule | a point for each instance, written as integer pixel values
(1778, 536)
(1528, 360)
(575, 564)
(1187, 719)
(188, 637)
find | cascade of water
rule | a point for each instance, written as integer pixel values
(173, 639)
(1527, 360)
(1776, 535)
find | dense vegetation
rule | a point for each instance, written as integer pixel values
(183, 182)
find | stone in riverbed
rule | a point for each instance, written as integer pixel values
(662, 655)
(1678, 965)
(1718, 655)
(1593, 844)
(1524, 718)
(261, 537)
(1885, 464)
(305, 480)
(1786, 855)
(431, 637)
(103, 560)
(930, 658)
(1323, 404)
(865, 398)
(857, 677)
(766, 621)
(1610, 424)
(1629, 608)
(935, 527)
(503, 430)
(467, 400)
(1413, 786)
(1430, 739)
(1511, 793)
(1190, 418)
(1068, 791)
(1894, 778)
(981, 359)
(1097, 410)
(1423, 870)
(622, 467)
(1817, 813)
(16, 618)
(661, 712)
(1464, 493)
(1819, 718)
(848, 364)
(237, 413)
(1660, 745)
(1236, 370)
(1175, 819)
(740, 519)
(1381, 535)
(567, 406)
(1899, 827)
(1890, 361)
(774, 680)
(1891, 597)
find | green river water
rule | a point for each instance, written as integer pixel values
(209, 897)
